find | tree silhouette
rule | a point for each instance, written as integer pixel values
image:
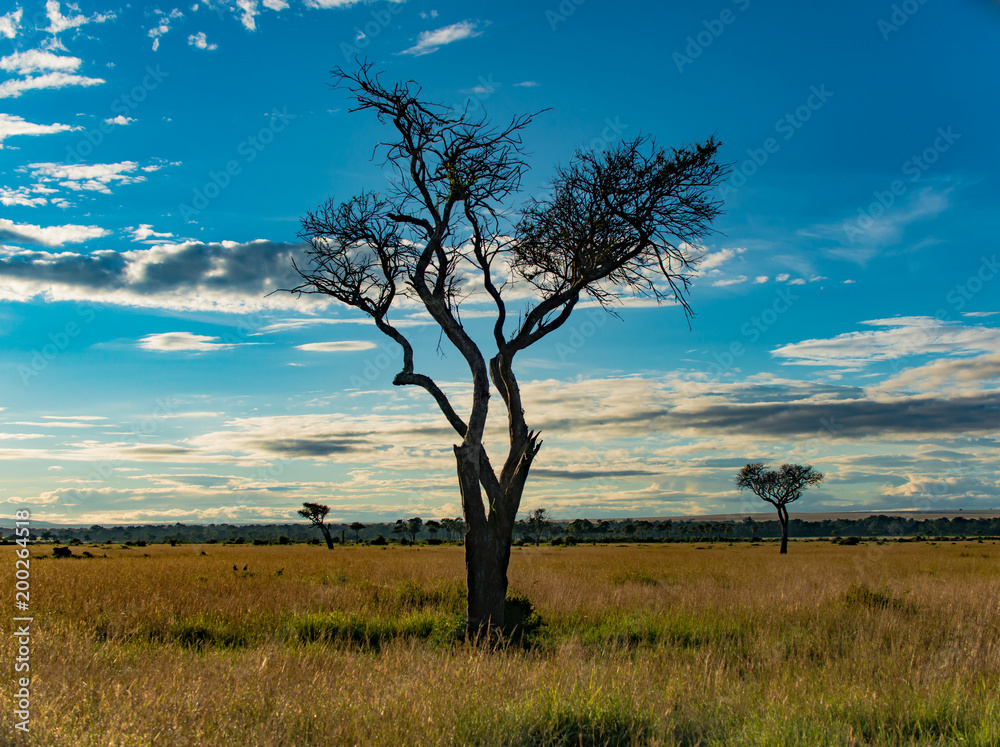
(623, 222)
(316, 513)
(778, 488)
(413, 527)
(356, 527)
(538, 522)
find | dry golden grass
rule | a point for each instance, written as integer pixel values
(650, 644)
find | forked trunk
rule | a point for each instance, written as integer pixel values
(487, 545)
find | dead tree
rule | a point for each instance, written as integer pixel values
(626, 221)
(778, 488)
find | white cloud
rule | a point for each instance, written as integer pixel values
(37, 61)
(59, 23)
(527, 84)
(164, 20)
(14, 88)
(730, 281)
(783, 277)
(120, 120)
(761, 279)
(716, 259)
(201, 42)
(966, 374)
(11, 124)
(96, 177)
(20, 196)
(183, 342)
(249, 11)
(431, 41)
(48, 235)
(275, 4)
(343, 346)
(898, 338)
(145, 231)
(10, 22)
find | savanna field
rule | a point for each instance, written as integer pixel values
(679, 644)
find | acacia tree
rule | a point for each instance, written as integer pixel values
(625, 221)
(316, 513)
(356, 527)
(778, 488)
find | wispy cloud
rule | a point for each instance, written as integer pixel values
(27, 233)
(11, 89)
(96, 177)
(342, 346)
(172, 342)
(59, 23)
(145, 233)
(37, 61)
(12, 125)
(432, 41)
(895, 338)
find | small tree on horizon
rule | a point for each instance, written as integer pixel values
(779, 488)
(316, 513)
(356, 527)
(538, 522)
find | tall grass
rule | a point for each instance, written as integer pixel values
(882, 645)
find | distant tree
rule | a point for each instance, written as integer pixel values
(432, 527)
(779, 488)
(356, 527)
(413, 527)
(538, 522)
(399, 527)
(453, 526)
(316, 513)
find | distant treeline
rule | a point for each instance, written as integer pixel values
(554, 532)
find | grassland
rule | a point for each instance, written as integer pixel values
(658, 644)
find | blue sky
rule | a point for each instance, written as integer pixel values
(156, 160)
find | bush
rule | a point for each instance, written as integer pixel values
(556, 541)
(379, 540)
(522, 624)
(283, 540)
(62, 552)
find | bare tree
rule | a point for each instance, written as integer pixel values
(316, 513)
(623, 222)
(778, 488)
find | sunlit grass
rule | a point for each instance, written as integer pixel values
(642, 644)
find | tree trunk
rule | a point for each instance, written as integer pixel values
(487, 543)
(783, 518)
(326, 535)
(486, 561)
